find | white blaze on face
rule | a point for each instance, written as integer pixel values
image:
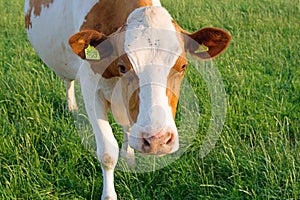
(152, 45)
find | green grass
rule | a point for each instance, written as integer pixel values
(256, 157)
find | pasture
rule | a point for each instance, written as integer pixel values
(256, 157)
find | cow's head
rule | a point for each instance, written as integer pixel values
(151, 62)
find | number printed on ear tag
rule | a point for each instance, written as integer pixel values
(91, 53)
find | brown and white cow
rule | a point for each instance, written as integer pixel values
(138, 75)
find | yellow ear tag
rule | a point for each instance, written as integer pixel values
(91, 53)
(202, 48)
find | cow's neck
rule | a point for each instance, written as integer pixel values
(107, 16)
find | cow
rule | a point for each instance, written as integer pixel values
(129, 57)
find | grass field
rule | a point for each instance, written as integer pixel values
(256, 157)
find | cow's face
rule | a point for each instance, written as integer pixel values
(150, 65)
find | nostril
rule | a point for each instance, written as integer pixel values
(170, 139)
(146, 143)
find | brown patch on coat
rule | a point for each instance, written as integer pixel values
(107, 161)
(131, 91)
(107, 16)
(130, 86)
(36, 7)
(174, 80)
(176, 74)
(134, 106)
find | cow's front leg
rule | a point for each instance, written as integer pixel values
(107, 152)
(127, 152)
(107, 146)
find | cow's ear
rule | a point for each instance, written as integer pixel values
(87, 41)
(207, 42)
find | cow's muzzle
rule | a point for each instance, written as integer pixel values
(161, 143)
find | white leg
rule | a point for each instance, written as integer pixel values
(127, 152)
(70, 94)
(107, 146)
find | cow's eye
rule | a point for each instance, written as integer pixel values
(122, 69)
(183, 68)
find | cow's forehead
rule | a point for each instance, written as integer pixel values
(151, 39)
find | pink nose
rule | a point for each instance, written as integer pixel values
(161, 143)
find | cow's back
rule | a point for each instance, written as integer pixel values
(50, 24)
